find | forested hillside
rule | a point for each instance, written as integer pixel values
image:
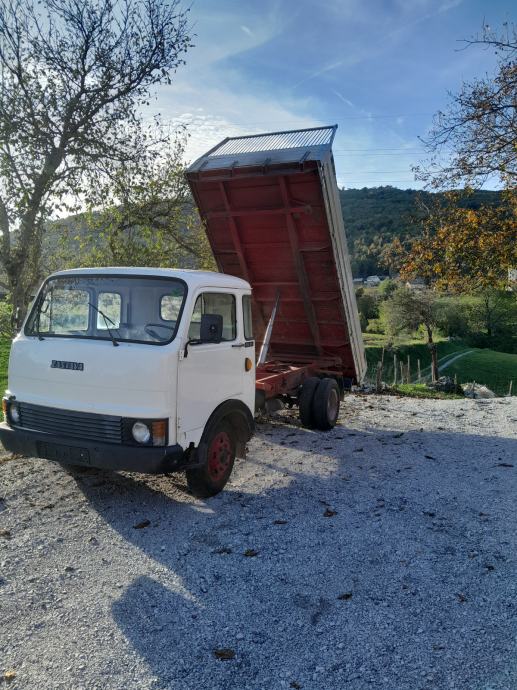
(374, 216)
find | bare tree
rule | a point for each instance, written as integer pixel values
(407, 310)
(139, 214)
(475, 139)
(74, 75)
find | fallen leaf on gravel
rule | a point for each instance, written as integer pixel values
(329, 513)
(358, 450)
(461, 597)
(295, 685)
(280, 522)
(9, 676)
(430, 457)
(5, 533)
(250, 553)
(225, 653)
(399, 435)
(490, 567)
(328, 447)
(438, 647)
(345, 596)
(504, 464)
(142, 525)
(69, 569)
(429, 513)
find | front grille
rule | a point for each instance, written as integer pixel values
(85, 425)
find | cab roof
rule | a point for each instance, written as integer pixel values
(191, 277)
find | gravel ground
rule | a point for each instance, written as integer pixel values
(379, 555)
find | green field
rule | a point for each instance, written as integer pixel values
(5, 346)
(493, 369)
(488, 367)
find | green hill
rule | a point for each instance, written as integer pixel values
(374, 216)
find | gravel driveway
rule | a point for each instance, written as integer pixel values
(379, 555)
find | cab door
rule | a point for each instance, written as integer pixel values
(211, 372)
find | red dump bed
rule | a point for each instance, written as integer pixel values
(271, 208)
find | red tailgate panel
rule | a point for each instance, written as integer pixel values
(269, 226)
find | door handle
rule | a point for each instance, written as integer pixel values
(240, 345)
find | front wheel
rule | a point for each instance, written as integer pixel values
(216, 456)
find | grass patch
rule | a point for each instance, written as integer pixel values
(5, 348)
(488, 367)
(420, 390)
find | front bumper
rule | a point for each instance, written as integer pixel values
(73, 451)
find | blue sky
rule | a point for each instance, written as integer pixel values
(377, 69)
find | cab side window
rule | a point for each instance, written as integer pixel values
(215, 303)
(248, 322)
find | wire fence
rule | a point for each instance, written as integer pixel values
(390, 368)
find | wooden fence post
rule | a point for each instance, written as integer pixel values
(394, 370)
(419, 371)
(378, 377)
(510, 388)
(408, 370)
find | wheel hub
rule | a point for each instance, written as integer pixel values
(219, 455)
(333, 405)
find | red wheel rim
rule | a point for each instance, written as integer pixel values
(219, 456)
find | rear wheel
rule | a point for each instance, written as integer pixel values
(305, 401)
(325, 404)
(216, 456)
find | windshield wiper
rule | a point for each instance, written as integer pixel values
(106, 319)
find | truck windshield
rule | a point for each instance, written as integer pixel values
(141, 309)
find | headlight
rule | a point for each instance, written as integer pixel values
(141, 432)
(14, 413)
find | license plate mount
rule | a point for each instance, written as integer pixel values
(62, 453)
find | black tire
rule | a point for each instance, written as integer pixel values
(216, 457)
(325, 404)
(305, 401)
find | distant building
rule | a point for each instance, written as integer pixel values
(416, 284)
(373, 281)
(512, 279)
(358, 281)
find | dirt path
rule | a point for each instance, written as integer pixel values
(453, 359)
(443, 363)
(379, 555)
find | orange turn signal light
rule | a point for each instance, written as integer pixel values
(159, 432)
(248, 364)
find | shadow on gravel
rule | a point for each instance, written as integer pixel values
(390, 565)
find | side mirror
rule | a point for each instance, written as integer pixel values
(211, 330)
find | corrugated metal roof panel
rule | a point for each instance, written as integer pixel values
(281, 147)
(276, 141)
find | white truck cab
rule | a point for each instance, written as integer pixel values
(140, 369)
